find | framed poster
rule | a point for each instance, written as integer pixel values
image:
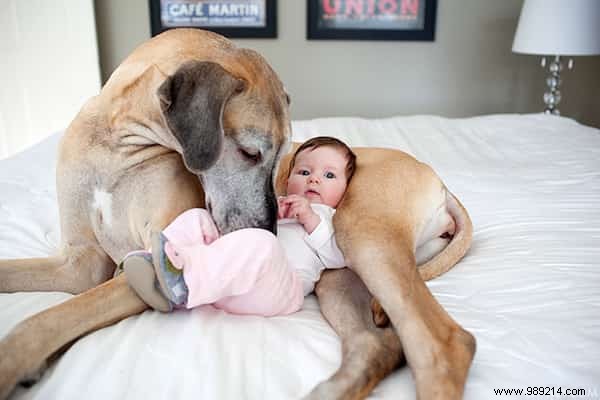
(230, 18)
(371, 19)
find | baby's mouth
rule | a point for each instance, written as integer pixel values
(311, 192)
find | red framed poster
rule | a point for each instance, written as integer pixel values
(371, 19)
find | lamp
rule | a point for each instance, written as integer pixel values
(558, 28)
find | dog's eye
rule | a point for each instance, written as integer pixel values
(240, 86)
(251, 156)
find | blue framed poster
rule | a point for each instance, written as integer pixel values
(231, 18)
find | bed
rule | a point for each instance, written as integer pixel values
(529, 289)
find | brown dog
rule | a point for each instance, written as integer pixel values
(188, 107)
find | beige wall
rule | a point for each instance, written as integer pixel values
(468, 70)
(47, 71)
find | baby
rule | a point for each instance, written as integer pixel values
(251, 271)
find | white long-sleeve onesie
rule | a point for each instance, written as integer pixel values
(310, 254)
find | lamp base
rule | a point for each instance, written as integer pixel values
(552, 97)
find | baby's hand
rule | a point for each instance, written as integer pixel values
(298, 207)
(282, 207)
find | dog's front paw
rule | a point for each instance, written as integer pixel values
(17, 365)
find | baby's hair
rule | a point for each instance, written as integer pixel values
(321, 141)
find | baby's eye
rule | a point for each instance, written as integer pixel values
(303, 172)
(330, 175)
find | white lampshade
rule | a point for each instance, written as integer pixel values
(559, 27)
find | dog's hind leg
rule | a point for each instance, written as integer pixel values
(369, 353)
(437, 349)
(31, 342)
(81, 268)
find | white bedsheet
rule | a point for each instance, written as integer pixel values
(529, 289)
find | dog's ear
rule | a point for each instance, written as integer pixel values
(192, 101)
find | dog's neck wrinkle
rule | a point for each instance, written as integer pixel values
(140, 156)
(146, 133)
(140, 141)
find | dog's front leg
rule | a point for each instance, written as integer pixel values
(29, 344)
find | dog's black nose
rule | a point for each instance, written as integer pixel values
(274, 228)
(268, 226)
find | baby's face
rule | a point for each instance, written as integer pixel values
(319, 175)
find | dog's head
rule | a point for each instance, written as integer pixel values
(232, 122)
